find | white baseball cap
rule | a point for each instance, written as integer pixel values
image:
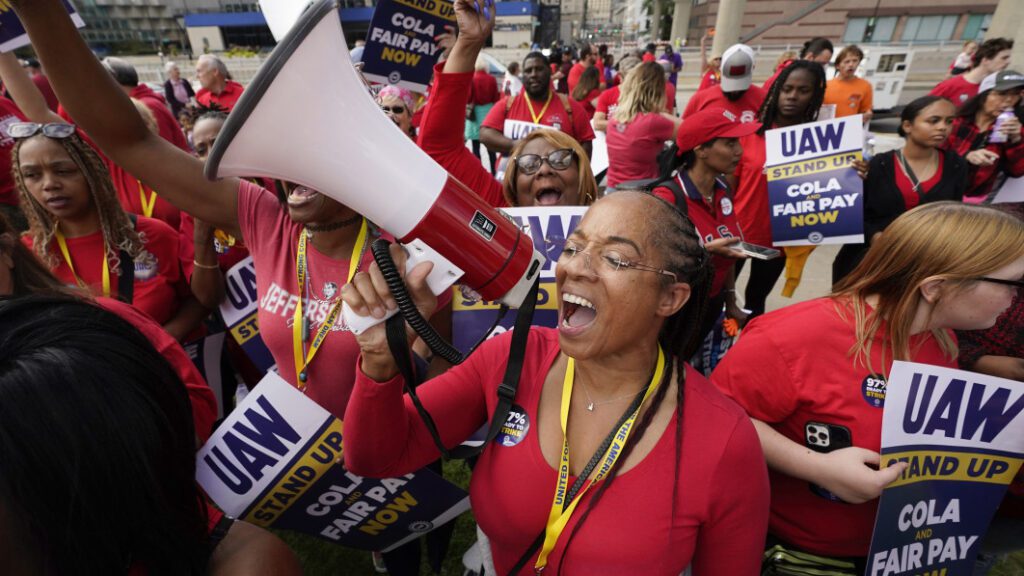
(737, 68)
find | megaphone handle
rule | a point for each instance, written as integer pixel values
(440, 279)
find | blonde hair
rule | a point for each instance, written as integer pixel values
(558, 139)
(643, 91)
(118, 231)
(147, 116)
(950, 241)
(786, 57)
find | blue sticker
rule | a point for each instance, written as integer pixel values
(873, 389)
(516, 426)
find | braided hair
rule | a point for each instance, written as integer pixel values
(770, 107)
(118, 231)
(674, 236)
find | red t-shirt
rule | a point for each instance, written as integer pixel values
(647, 57)
(910, 197)
(204, 403)
(633, 148)
(272, 238)
(715, 221)
(555, 116)
(441, 135)
(9, 114)
(608, 101)
(711, 78)
(43, 84)
(159, 285)
(957, 89)
(721, 491)
(485, 89)
(745, 108)
(792, 368)
(751, 199)
(227, 98)
(170, 130)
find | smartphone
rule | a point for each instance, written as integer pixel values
(755, 251)
(823, 437)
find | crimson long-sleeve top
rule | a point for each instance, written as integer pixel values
(721, 495)
(964, 138)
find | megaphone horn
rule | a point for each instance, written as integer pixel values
(307, 118)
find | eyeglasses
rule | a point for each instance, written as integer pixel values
(29, 129)
(558, 160)
(608, 261)
(393, 109)
(1018, 284)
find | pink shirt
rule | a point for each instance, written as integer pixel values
(272, 238)
(633, 148)
(721, 499)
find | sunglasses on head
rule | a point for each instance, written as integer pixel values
(558, 160)
(29, 129)
(393, 109)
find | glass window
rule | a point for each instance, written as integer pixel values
(884, 28)
(929, 28)
(977, 25)
(855, 29)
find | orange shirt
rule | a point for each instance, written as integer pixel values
(850, 96)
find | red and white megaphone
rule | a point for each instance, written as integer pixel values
(308, 118)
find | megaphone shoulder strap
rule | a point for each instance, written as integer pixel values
(399, 346)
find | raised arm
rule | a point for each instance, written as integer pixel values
(106, 114)
(24, 92)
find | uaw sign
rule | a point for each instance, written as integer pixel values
(276, 462)
(815, 195)
(962, 436)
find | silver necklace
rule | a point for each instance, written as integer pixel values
(590, 401)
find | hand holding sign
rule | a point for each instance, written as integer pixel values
(849, 474)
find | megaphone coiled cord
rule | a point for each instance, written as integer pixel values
(382, 255)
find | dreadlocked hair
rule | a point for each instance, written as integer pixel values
(118, 231)
(674, 236)
(770, 107)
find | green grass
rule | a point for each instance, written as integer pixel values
(321, 558)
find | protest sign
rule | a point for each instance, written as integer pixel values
(549, 227)
(12, 33)
(1012, 191)
(814, 194)
(239, 310)
(275, 462)
(400, 45)
(962, 434)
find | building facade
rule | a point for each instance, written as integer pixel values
(792, 22)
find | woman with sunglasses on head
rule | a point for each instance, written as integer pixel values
(988, 134)
(639, 126)
(80, 230)
(546, 168)
(818, 369)
(794, 98)
(632, 283)
(80, 383)
(899, 180)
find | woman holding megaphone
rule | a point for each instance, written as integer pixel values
(546, 168)
(608, 424)
(306, 246)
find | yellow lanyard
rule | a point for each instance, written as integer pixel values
(560, 511)
(67, 258)
(147, 209)
(537, 117)
(299, 323)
